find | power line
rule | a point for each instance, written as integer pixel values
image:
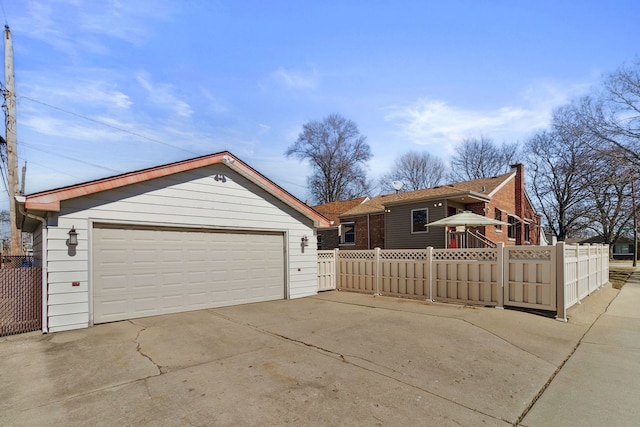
(26, 144)
(139, 135)
(4, 13)
(3, 172)
(54, 169)
(112, 127)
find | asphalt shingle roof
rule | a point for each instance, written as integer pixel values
(484, 186)
(332, 210)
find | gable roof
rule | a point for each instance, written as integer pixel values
(478, 189)
(49, 201)
(490, 186)
(332, 210)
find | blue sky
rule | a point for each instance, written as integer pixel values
(106, 87)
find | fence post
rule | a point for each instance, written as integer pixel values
(501, 290)
(430, 270)
(336, 268)
(376, 272)
(577, 246)
(591, 272)
(604, 260)
(561, 310)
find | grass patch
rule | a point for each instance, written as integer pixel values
(618, 274)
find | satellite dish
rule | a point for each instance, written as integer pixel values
(397, 185)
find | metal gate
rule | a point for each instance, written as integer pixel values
(20, 296)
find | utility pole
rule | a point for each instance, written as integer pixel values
(11, 140)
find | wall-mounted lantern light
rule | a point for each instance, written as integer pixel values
(73, 236)
(304, 241)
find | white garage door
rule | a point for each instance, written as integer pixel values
(140, 272)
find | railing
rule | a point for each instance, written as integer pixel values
(468, 239)
(482, 240)
(551, 278)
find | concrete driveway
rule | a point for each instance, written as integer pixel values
(335, 359)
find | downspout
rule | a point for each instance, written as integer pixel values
(45, 314)
(368, 232)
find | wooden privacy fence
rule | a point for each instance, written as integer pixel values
(551, 278)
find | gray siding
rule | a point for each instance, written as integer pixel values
(37, 247)
(190, 199)
(398, 227)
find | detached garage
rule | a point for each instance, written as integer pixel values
(201, 233)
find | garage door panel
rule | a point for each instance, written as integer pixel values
(144, 272)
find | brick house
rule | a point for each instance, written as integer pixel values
(398, 221)
(331, 237)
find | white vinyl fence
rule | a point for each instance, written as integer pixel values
(551, 278)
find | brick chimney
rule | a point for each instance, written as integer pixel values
(519, 169)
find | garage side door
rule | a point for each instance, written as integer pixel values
(140, 272)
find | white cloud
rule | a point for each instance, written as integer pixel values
(42, 25)
(76, 92)
(70, 25)
(73, 129)
(437, 124)
(296, 79)
(162, 95)
(215, 105)
(264, 128)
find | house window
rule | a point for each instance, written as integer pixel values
(419, 220)
(511, 232)
(319, 240)
(498, 217)
(348, 235)
(527, 232)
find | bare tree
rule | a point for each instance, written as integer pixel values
(416, 170)
(337, 152)
(609, 187)
(612, 114)
(559, 170)
(480, 158)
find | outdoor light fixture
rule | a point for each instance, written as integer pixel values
(73, 236)
(437, 204)
(304, 241)
(220, 177)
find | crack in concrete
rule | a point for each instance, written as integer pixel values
(452, 318)
(505, 340)
(142, 353)
(344, 359)
(559, 368)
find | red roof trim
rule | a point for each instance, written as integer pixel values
(50, 200)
